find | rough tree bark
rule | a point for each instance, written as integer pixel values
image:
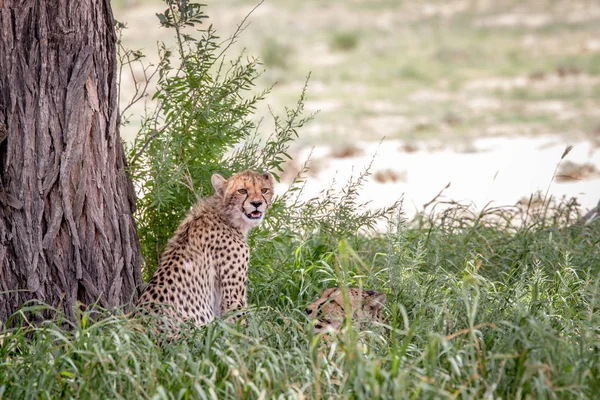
(66, 228)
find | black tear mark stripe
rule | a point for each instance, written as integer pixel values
(326, 301)
(244, 202)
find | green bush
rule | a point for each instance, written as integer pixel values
(345, 40)
(275, 54)
(202, 123)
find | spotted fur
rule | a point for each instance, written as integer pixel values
(329, 309)
(204, 268)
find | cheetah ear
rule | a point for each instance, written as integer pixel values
(269, 177)
(374, 300)
(328, 292)
(219, 183)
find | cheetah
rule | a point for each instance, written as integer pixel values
(203, 271)
(329, 309)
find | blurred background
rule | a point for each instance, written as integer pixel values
(481, 95)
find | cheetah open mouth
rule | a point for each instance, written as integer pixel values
(254, 215)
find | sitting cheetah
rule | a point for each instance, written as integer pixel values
(329, 309)
(203, 270)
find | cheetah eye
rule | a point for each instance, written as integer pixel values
(242, 191)
(265, 190)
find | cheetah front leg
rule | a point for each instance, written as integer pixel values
(233, 289)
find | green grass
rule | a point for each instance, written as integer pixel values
(479, 306)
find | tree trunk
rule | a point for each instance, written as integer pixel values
(66, 228)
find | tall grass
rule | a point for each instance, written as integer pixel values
(479, 309)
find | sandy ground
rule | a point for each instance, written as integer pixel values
(498, 170)
(515, 159)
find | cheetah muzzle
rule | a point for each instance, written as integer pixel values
(256, 214)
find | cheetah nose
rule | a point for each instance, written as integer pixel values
(308, 311)
(256, 203)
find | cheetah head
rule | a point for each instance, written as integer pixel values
(329, 309)
(245, 197)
